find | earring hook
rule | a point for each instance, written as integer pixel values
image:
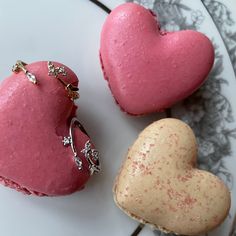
(91, 155)
(56, 71)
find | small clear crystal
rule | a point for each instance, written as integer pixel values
(66, 141)
(78, 162)
(95, 154)
(31, 77)
(15, 68)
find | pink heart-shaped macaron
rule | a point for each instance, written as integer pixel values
(147, 69)
(34, 119)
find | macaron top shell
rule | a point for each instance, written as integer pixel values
(147, 69)
(159, 183)
(33, 121)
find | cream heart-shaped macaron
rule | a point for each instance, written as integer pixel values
(149, 70)
(159, 183)
(35, 119)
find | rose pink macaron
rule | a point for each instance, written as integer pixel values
(34, 119)
(148, 69)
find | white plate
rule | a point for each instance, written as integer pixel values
(69, 32)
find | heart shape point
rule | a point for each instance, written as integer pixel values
(149, 70)
(34, 118)
(160, 185)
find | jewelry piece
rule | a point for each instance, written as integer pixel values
(20, 66)
(60, 70)
(91, 155)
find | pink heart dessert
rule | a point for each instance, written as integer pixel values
(34, 119)
(149, 70)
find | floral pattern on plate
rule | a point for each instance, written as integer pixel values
(208, 111)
